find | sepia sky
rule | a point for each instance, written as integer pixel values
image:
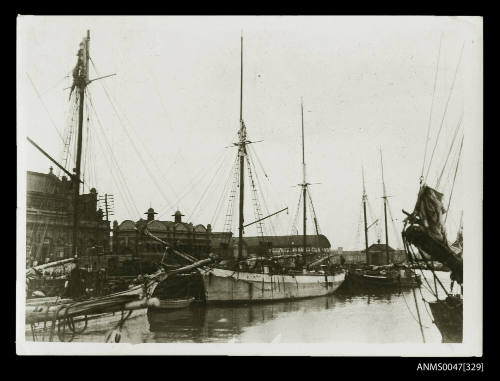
(166, 121)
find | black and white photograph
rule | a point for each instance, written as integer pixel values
(272, 185)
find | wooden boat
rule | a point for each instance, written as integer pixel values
(389, 276)
(222, 285)
(93, 313)
(235, 285)
(448, 317)
(447, 312)
(47, 314)
(396, 279)
(109, 323)
(425, 230)
(232, 283)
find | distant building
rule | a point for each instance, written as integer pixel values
(226, 245)
(128, 244)
(49, 221)
(200, 241)
(349, 256)
(287, 244)
(376, 254)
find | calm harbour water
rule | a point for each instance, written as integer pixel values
(380, 317)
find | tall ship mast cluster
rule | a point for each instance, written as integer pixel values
(270, 276)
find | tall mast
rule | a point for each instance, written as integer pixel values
(241, 80)
(385, 210)
(304, 184)
(80, 81)
(242, 153)
(364, 213)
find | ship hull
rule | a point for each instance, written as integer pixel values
(99, 323)
(364, 280)
(448, 317)
(223, 285)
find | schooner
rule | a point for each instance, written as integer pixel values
(49, 317)
(235, 284)
(390, 275)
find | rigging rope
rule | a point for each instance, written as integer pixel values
(119, 179)
(68, 133)
(263, 198)
(315, 217)
(409, 310)
(121, 183)
(449, 151)
(254, 152)
(296, 216)
(257, 212)
(162, 175)
(220, 201)
(34, 235)
(396, 233)
(86, 151)
(95, 174)
(197, 179)
(372, 216)
(205, 191)
(137, 151)
(357, 238)
(412, 257)
(425, 305)
(432, 106)
(445, 110)
(228, 221)
(454, 178)
(46, 109)
(56, 84)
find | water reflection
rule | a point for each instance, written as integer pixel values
(375, 316)
(221, 323)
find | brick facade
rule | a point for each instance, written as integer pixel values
(49, 221)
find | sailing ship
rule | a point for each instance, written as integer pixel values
(393, 276)
(47, 317)
(424, 229)
(272, 282)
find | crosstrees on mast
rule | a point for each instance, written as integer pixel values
(305, 194)
(241, 154)
(80, 81)
(304, 183)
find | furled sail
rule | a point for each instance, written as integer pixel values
(78, 71)
(429, 208)
(428, 234)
